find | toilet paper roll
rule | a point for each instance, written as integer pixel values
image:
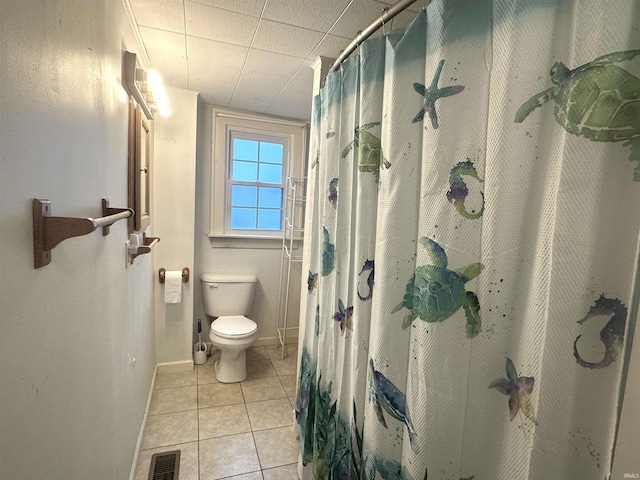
(172, 287)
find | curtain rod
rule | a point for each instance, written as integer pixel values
(367, 32)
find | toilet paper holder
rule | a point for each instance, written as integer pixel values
(163, 271)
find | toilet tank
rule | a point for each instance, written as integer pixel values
(227, 293)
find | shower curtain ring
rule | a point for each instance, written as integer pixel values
(385, 11)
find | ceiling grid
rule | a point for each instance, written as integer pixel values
(253, 54)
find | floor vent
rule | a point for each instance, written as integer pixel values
(165, 466)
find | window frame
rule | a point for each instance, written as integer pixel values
(218, 120)
(244, 133)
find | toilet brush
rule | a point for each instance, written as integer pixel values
(200, 349)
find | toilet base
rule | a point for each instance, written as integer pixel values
(231, 367)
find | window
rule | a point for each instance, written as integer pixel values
(257, 171)
(251, 157)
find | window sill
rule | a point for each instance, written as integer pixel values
(247, 241)
(244, 235)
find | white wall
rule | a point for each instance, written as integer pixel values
(71, 398)
(216, 255)
(173, 173)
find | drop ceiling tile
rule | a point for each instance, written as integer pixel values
(330, 47)
(305, 74)
(316, 14)
(246, 7)
(287, 39)
(270, 63)
(167, 55)
(293, 106)
(288, 111)
(259, 88)
(214, 62)
(220, 25)
(212, 93)
(298, 88)
(242, 104)
(161, 14)
(359, 15)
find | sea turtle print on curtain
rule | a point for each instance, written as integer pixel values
(369, 149)
(435, 293)
(598, 100)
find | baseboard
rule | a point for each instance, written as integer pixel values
(144, 424)
(173, 367)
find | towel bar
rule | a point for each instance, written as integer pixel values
(147, 244)
(49, 231)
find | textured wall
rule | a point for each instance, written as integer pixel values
(173, 220)
(72, 396)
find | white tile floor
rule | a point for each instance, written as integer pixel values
(239, 431)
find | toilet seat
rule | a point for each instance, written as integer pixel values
(233, 326)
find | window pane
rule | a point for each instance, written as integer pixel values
(270, 173)
(270, 197)
(245, 149)
(245, 171)
(269, 219)
(243, 196)
(243, 218)
(271, 152)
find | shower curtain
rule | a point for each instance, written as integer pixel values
(473, 191)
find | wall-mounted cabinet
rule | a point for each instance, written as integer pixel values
(140, 155)
(139, 167)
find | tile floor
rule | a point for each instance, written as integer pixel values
(239, 431)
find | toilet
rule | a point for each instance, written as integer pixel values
(227, 298)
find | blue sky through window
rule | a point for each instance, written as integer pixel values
(244, 196)
(245, 171)
(269, 219)
(270, 173)
(270, 197)
(245, 149)
(254, 165)
(243, 218)
(271, 152)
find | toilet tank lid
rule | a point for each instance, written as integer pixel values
(229, 277)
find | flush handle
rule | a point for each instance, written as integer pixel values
(213, 285)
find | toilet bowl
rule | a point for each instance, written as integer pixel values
(227, 299)
(232, 335)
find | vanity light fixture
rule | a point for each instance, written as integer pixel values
(145, 87)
